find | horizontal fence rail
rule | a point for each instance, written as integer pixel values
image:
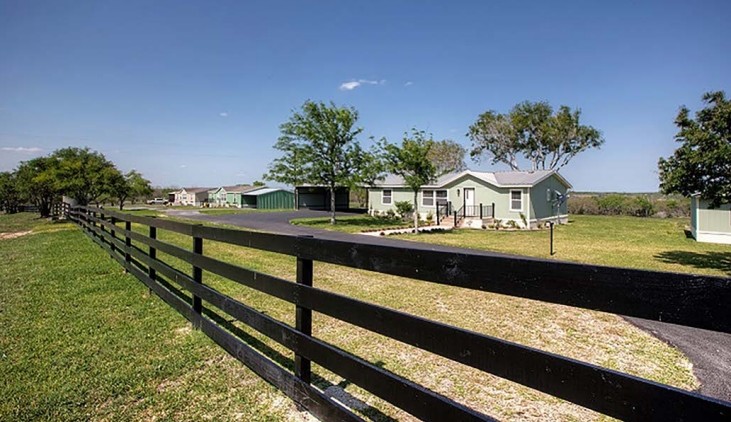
(696, 301)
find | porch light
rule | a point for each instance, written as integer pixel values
(457, 192)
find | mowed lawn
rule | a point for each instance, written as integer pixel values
(82, 340)
(634, 242)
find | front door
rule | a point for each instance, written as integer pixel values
(469, 201)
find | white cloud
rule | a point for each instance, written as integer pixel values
(409, 83)
(349, 86)
(182, 166)
(223, 114)
(22, 149)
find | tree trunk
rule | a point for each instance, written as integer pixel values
(44, 208)
(332, 204)
(416, 211)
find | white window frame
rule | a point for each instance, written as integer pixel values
(510, 200)
(383, 197)
(424, 198)
(434, 197)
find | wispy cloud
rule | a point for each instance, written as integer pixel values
(409, 83)
(223, 114)
(349, 86)
(182, 166)
(24, 150)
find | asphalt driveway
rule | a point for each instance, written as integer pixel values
(710, 352)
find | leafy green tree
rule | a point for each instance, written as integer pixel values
(258, 183)
(448, 156)
(130, 185)
(702, 163)
(320, 148)
(83, 174)
(411, 161)
(546, 139)
(37, 182)
(9, 194)
(141, 187)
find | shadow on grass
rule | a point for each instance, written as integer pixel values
(704, 260)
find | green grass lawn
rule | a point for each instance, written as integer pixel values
(352, 224)
(82, 340)
(646, 243)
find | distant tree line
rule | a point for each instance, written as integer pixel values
(79, 173)
(638, 205)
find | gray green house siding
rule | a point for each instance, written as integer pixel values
(543, 206)
(488, 190)
(712, 225)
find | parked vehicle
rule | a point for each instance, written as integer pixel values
(157, 201)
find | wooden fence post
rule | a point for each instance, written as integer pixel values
(113, 232)
(480, 210)
(197, 271)
(303, 322)
(152, 252)
(128, 244)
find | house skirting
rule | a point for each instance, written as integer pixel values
(711, 237)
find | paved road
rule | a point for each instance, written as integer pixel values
(710, 352)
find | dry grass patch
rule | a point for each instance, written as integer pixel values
(602, 339)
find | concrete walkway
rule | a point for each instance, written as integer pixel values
(710, 352)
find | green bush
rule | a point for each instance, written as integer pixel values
(647, 205)
(404, 208)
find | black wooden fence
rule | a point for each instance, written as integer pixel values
(690, 300)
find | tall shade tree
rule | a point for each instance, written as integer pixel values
(546, 139)
(140, 187)
(320, 148)
(410, 160)
(447, 156)
(9, 193)
(702, 163)
(130, 185)
(37, 183)
(83, 174)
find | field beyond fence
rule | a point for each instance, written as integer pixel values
(696, 301)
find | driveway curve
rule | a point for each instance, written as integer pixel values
(708, 351)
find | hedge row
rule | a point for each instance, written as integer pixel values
(628, 204)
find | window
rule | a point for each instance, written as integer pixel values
(428, 197)
(386, 197)
(516, 200)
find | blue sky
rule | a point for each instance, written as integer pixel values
(192, 93)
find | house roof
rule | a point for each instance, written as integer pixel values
(263, 191)
(236, 188)
(499, 179)
(195, 190)
(242, 188)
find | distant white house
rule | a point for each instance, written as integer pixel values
(189, 196)
(711, 225)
